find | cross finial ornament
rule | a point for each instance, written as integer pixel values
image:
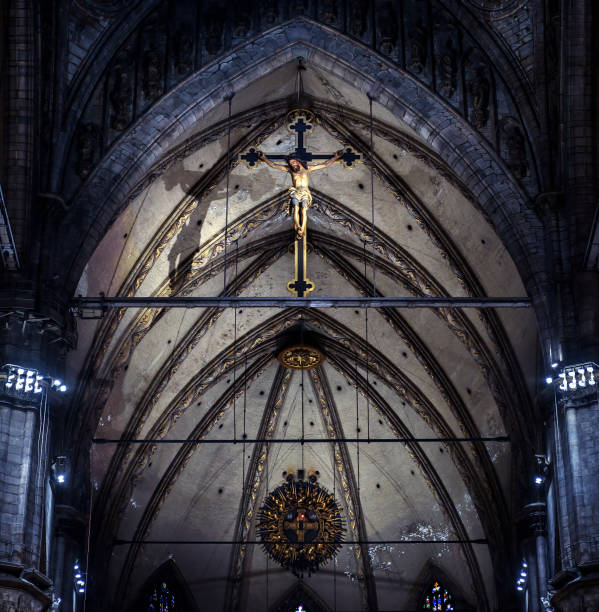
(297, 165)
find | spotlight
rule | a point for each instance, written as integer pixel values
(60, 470)
(554, 365)
(538, 480)
(62, 388)
(549, 380)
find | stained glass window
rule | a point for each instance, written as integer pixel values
(439, 599)
(162, 600)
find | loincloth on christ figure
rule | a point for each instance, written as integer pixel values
(300, 196)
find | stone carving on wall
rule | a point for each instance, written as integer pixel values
(328, 11)
(448, 70)
(12, 600)
(479, 89)
(387, 27)
(214, 32)
(183, 49)
(88, 144)
(418, 50)
(357, 22)
(270, 10)
(120, 92)
(153, 71)
(301, 6)
(513, 147)
(242, 22)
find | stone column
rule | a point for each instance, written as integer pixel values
(576, 478)
(26, 419)
(70, 530)
(532, 521)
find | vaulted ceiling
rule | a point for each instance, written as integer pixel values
(388, 373)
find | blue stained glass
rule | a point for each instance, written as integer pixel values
(439, 599)
(162, 600)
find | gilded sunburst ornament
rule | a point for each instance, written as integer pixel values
(301, 357)
(300, 526)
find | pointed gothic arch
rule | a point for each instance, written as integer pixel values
(107, 188)
(435, 581)
(300, 594)
(165, 584)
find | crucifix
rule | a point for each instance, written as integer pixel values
(301, 526)
(300, 121)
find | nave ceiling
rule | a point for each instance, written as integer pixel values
(213, 373)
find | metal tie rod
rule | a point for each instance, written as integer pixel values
(78, 304)
(119, 541)
(296, 440)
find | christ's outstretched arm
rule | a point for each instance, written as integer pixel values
(272, 164)
(327, 163)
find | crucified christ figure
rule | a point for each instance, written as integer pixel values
(300, 195)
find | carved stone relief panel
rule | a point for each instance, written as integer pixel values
(447, 45)
(153, 53)
(12, 600)
(356, 18)
(328, 11)
(213, 26)
(418, 37)
(478, 85)
(88, 148)
(120, 90)
(513, 146)
(270, 12)
(387, 29)
(183, 49)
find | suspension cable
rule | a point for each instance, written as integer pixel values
(229, 98)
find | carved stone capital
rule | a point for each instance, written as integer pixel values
(532, 520)
(23, 589)
(576, 590)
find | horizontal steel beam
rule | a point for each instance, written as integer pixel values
(79, 305)
(119, 541)
(297, 440)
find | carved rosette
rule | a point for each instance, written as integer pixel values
(301, 526)
(301, 357)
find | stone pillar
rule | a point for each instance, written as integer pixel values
(532, 521)
(575, 474)
(70, 529)
(23, 474)
(26, 423)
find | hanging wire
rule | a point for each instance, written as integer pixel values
(267, 489)
(335, 556)
(367, 362)
(235, 359)
(372, 201)
(373, 240)
(89, 535)
(229, 98)
(302, 442)
(357, 427)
